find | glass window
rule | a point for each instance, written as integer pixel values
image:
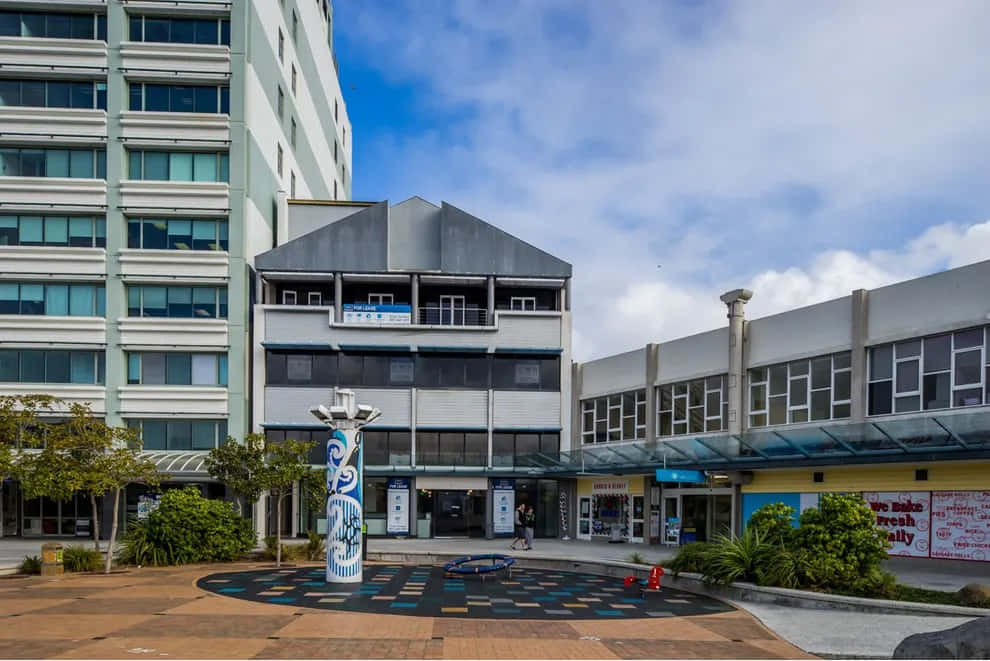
(178, 369)
(32, 366)
(81, 232)
(83, 367)
(299, 368)
(778, 379)
(907, 376)
(180, 234)
(968, 368)
(32, 299)
(56, 366)
(205, 167)
(81, 163)
(9, 298)
(156, 29)
(180, 166)
(156, 166)
(57, 300)
(881, 362)
(153, 434)
(9, 366)
(203, 435)
(204, 369)
(153, 368)
(82, 300)
(936, 390)
(56, 231)
(204, 235)
(155, 234)
(205, 302)
(179, 435)
(183, 30)
(154, 302)
(938, 353)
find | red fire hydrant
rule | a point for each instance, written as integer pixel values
(653, 581)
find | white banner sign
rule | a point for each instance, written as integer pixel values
(906, 515)
(397, 522)
(503, 513)
(377, 315)
(961, 525)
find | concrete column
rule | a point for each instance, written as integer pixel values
(338, 297)
(282, 221)
(577, 422)
(414, 298)
(491, 301)
(735, 300)
(652, 368)
(858, 334)
(295, 508)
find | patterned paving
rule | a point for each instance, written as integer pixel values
(160, 613)
(525, 594)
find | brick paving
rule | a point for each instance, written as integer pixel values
(160, 613)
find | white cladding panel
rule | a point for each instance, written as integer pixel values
(302, 326)
(69, 393)
(162, 60)
(57, 191)
(623, 371)
(75, 124)
(148, 129)
(193, 333)
(71, 53)
(515, 409)
(172, 400)
(290, 405)
(31, 329)
(452, 408)
(689, 357)
(53, 260)
(174, 263)
(805, 332)
(458, 483)
(528, 330)
(943, 301)
(197, 195)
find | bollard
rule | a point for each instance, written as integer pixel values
(51, 559)
(364, 541)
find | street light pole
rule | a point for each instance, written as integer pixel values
(345, 477)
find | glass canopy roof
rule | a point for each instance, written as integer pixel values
(965, 435)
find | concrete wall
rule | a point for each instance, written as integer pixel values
(306, 218)
(624, 371)
(704, 354)
(801, 333)
(414, 236)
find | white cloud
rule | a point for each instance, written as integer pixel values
(802, 150)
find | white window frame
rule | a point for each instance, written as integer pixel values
(790, 407)
(523, 303)
(288, 294)
(685, 422)
(456, 305)
(375, 298)
(609, 403)
(318, 296)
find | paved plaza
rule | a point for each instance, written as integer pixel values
(160, 613)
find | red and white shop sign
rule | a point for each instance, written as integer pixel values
(961, 525)
(906, 515)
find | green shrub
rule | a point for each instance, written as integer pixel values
(842, 541)
(80, 558)
(30, 565)
(187, 528)
(690, 558)
(316, 548)
(877, 584)
(786, 568)
(271, 543)
(775, 523)
(742, 558)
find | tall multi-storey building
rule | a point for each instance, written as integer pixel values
(144, 148)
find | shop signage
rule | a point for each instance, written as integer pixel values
(147, 504)
(397, 522)
(503, 510)
(377, 315)
(671, 475)
(961, 525)
(610, 486)
(906, 515)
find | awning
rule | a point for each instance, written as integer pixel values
(179, 464)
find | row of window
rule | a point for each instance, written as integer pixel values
(803, 390)
(433, 448)
(177, 234)
(178, 166)
(177, 302)
(619, 417)
(74, 300)
(179, 98)
(177, 369)
(32, 162)
(52, 366)
(53, 25)
(180, 434)
(75, 231)
(938, 372)
(427, 370)
(180, 30)
(700, 405)
(53, 94)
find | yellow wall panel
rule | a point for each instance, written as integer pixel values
(942, 476)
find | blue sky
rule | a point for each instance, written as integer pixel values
(674, 150)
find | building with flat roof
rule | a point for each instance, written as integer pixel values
(143, 151)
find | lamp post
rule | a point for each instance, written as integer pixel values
(345, 477)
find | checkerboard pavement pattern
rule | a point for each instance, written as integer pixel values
(161, 613)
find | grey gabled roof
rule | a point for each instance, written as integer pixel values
(413, 235)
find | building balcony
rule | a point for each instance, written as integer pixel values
(62, 193)
(69, 393)
(439, 316)
(185, 62)
(171, 264)
(509, 330)
(150, 196)
(64, 56)
(172, 401)
(64, 125)
(157, 332)
(158, 129)
(54, 260)
(29, 330)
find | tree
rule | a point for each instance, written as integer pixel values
(240, 468)
(315, 486)
(286, 463)
(120, 467)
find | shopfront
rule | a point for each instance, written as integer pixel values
(695, 507)
(612, 509)
(451, 506)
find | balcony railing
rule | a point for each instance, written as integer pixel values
(444, 316)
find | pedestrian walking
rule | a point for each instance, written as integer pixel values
(529, 522)
(520, 533)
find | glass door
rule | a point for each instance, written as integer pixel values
(721, 519)
(9, 501)
(584, 517)
(452, 310)
(638, 518)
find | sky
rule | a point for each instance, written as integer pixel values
(674, 150)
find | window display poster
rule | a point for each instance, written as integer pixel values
(147, 503)
(397, 522)
(906, 516)
(961, 525)
(503, 511)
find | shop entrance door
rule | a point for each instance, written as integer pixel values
(584, 517)
(10, 498)
(459, 513)
(697, 515)
(638, 519)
